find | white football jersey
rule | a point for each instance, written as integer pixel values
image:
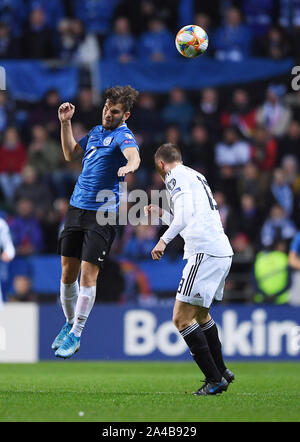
(203, 232)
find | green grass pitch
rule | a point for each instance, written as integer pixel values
(66, 391)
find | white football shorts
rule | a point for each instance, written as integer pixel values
(203, 279)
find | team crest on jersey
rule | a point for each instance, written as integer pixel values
(171, 184)
(107, 141)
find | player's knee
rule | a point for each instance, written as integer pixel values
(181, 322)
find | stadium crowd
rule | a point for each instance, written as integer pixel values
(247, 146)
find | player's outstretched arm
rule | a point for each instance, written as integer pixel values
(68, 142)
(133, 161)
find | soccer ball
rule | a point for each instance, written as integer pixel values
(191, 41)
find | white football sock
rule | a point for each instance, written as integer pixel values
(84, 305)
(68, 298)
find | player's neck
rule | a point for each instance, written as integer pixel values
(171, 166)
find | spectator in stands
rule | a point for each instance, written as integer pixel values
(208, 113)
(292, 100)
(38, 37)
(67, 40)
(54, 10)
(140, 245)
(289, 13)
(145, 118)
(44, 154)
(240, 113)
(22, 290)
(145, 10)
(95, 15)
(263, 149)
(274, 45)
(120, 45)
(290, 142)
(13, 14)
(44, 113)
(87, 113)
(74, 44)
(61, 206)
(156, 44)
(249, 218)
(178, 111)
(232, 150)
(252, 181)
(9, 45)
(281, 192)
(294, 263)
(232, 40)
(259, 15)
(227, 214)
(277, 225)
(12, 161)
(226, 179)
(25, 229)
(290, 170)
(34, 189)
(7, 111)
(200, 152)
(173, 135)
(274, 114)
(272, 287)
(238, 287)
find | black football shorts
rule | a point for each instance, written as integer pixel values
(83, 238)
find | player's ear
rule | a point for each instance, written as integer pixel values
(126, 116)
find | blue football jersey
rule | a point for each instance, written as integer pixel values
(98, 182)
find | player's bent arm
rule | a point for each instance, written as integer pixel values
(294, 260)
(183, 212)
(133, 158)
(133, 161)
(69, 144)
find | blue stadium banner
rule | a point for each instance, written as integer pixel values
(133, 333)
(190, 74)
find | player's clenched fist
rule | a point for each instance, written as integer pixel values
(158, 251)
(66, 112)
(153, 209)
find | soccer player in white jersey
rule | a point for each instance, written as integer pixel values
(194, 215)
(7, 249)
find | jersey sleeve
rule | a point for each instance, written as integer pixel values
(177, 184)
(126, 139)
(83, 141)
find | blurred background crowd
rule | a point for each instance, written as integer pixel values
(245, 138)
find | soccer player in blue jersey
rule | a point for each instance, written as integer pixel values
(110, 152)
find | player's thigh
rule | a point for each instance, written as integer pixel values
(70, 268)
(96, 246)
(202, 281)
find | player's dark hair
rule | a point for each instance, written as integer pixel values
(168, 152)
(125, 95)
